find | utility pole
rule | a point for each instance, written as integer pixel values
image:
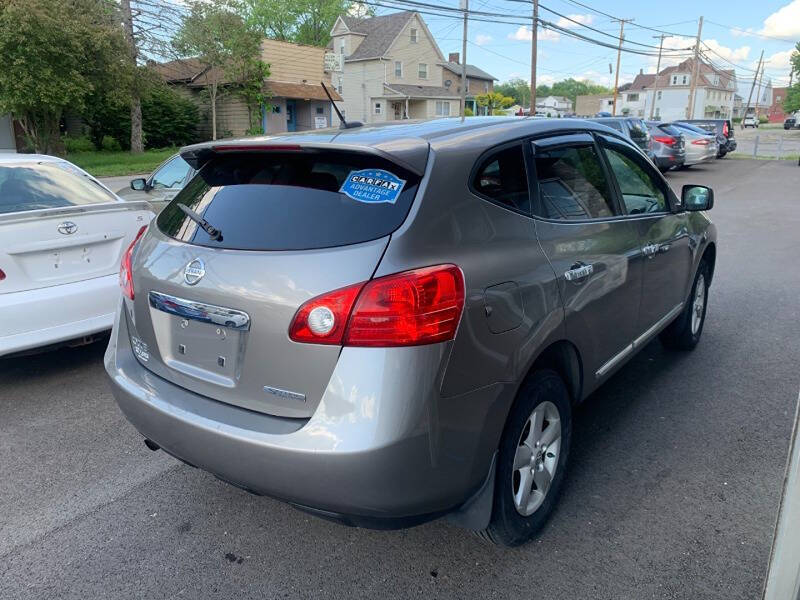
(658, 69)
(750, 96)
(619, 56)
(758, 94)
(465, 8)
(695, 71)
(534, 43)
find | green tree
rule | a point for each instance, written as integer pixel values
(52, 64)
(494, 100)
(301, 21)
(572, 88)
(516, 88)
(792, 102)
(214, 32)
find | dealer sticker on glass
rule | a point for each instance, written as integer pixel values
(372, 186)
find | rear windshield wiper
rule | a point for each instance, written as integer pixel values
(213, 232)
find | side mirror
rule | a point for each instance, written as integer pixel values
(139, 184)
(697, 197)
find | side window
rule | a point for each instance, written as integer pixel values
(503, 179)
(171, 175)
(641, 191)
(572, 183)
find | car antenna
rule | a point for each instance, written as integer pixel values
(345, 124)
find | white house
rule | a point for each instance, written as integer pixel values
(554, 106)
(389, 67)
(666, 95)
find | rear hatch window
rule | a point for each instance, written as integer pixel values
(45, 185)
(670, 129)
(292, 201)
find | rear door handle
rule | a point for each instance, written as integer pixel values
(650, 250)
(578, 271)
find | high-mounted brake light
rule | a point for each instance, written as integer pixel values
(422, 306)
(125, 275)
(665, 139)
(257, 148)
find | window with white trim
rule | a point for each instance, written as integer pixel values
(442, 108)
(684, 80)
(413, 35)
(485, 87)
(341, 46)
(633, 97)
(398, 68)
(422, 71)
(659, 95)
(378, 108)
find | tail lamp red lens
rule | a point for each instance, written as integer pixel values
(125, 275)
(701, 142)
(2, 275)
(665, 139)
(422, 306)
(725, 129)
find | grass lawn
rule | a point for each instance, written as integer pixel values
(111, 164)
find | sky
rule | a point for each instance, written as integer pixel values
(734, 37)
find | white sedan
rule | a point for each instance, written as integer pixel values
(62, 235)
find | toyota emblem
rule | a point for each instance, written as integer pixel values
(67, 228)
(194, 271)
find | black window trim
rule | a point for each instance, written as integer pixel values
(488, 153)
(602, 140)
(567, 139)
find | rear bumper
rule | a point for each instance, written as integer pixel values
(382, 449)
(50, 315)
(667, 161)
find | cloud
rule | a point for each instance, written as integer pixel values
(738, 54)
(482, 39)
(582, 19)
(524, 34)
(784, 23)
(779, 60)
(741, 32)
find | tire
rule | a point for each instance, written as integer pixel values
(542, 394)
(684, 332)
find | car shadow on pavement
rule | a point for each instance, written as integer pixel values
(52, 362)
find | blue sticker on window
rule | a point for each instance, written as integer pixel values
(372, 186)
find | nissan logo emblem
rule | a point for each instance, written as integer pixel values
(194, 271)
(67, 228)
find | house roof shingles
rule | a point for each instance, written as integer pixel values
(380, 32)
(299, 91)
(472, 71)
(704, 79)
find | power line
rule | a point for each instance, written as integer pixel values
(753, 33)
(600, 12)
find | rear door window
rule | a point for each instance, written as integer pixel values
(572, 183)
(42, 185)
(292, 201)
(171, 175)
(502, 178)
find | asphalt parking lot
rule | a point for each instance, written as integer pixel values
(672, 492)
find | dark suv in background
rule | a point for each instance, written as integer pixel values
(634, 128)
(722, 128)
(791, 123)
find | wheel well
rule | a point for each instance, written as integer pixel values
(564, 359)
(710, 256)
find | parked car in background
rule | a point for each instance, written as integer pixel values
(750, 121)
(722, 128)
(668, 145)
(701, 146)
(791, 123)
(63, 234)
(634, 128)
(162, 185)
(386, 347)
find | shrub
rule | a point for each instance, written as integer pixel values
(77, 144)
(110, 144)
(468, 112)
(763, 119)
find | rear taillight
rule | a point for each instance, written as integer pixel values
(665, 139)
(125, 275)
(725, 129)
(701, 142)
(416, 307)
(2, 275)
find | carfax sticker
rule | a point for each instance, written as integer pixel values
(372, 186)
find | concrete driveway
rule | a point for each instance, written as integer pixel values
(672, 491)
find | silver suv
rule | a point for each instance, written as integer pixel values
(389, 324)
